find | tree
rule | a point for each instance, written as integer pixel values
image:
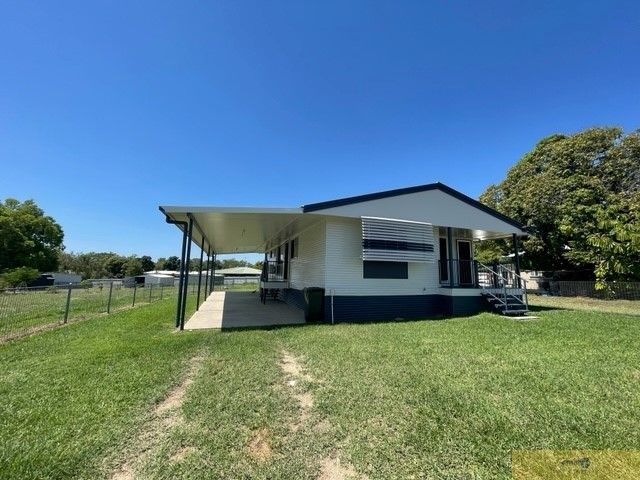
(234, 262)
(172, 263)
(132, 267)
(616, 243)
(115, 266)
(161, 264)
(89, 265)
(18, 276)
(565, 189)
(147, 263)
(28, 238)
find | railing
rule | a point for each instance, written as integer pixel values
(272, 270)
(504, 285)
(463, 273)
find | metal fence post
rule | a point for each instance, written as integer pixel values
(109, 301)
(135, 289)
(66, 308)
(161, 290)
(150, 290)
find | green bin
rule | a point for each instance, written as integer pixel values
(313, 304)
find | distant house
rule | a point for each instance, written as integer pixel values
(64, 278)
(171, 277)
(405, 253)
(238, 275)
(239, 272)
(153, 278)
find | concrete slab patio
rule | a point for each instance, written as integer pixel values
(242, 310)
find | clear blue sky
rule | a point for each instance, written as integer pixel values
(109, 109)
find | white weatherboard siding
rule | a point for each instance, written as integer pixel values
(307, 269)
(344, 266)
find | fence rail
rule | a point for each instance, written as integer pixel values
(575, 288)
(24, 311)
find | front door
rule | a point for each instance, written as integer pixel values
(465, 270)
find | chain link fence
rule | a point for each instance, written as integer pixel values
(24, 311)
(575, 288)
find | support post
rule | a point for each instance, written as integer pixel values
(516, 258)
(109, 301)
(66, 308)
(199, 278)
(213, 273)
(206, 276)
(186, 279)
(450, 255)
(181, 279)
(135, 291)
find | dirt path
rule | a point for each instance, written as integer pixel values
(297, 381)
(164, 416)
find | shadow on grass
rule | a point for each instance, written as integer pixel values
(544, 308)
(352, 322)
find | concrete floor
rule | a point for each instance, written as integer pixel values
(242, 309)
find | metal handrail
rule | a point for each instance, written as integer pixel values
(272, 270)
(520, 285)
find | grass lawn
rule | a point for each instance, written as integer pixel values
(429, 399)
(630, 307)
(27, 310)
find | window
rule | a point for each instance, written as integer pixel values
(376, 269)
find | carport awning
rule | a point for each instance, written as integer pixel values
(237, 230)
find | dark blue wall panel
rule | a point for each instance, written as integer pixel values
(389, 307)
(369, 308)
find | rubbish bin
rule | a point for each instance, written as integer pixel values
(313, 304)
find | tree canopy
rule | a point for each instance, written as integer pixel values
(28, 237)
(579, 195)
(104, 264)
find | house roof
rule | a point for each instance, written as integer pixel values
(314, 207)
(239, 271)
(243, 230)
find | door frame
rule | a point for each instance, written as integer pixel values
(458, 241)
(447, 260)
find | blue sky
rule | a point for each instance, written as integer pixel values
(109, 109)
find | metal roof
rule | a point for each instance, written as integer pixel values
(248, 230)
(239, 271)
(314, 207)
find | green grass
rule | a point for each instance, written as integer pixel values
(26, 311)
(629, 307)
(434, 399)
(69, 396)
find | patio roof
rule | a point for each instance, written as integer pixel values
(236, 230)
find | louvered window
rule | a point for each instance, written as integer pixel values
(390, 240)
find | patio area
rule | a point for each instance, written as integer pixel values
(242, 310)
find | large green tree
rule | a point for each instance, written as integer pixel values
(147, 263)
(575, 192)
(171, 263)
(28, 237)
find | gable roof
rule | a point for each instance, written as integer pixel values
(340, 202)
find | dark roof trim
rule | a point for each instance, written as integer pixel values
(314, 207)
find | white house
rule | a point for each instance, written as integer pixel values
(405, 253)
